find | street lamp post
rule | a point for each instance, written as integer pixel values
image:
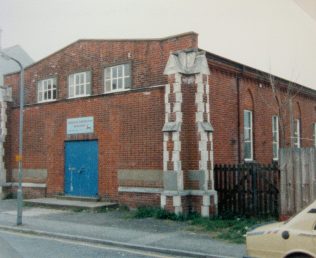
(19, 156)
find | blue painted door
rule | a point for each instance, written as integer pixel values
(81, 168)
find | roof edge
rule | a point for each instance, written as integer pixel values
(100, 40)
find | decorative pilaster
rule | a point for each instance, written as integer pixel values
(186, 69)
(5, 96)
(173, 174)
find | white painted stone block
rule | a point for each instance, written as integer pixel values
(166, 98)
(175, 136)
(163, 201)
(178, 97)
(176, 87)
(167, 89)
(176, 107)
(200, 107)
(200, 88)
(198, 97)
(165, 155)
(206, 200)
(199, 117)
(207, 89)
(176, 201)
(205, 211)
(179, 117)
(167, 108)
(175, 156)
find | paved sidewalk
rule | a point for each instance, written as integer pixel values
(116, 228)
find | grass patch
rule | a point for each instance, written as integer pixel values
(232, 230)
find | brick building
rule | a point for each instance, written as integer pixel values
(144, 121)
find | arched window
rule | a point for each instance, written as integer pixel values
(248, 127)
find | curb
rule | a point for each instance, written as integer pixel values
(84, 239)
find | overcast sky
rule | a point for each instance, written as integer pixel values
(276, 36)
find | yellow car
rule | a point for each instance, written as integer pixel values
(295, 238)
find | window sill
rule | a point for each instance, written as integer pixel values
(46, 101)
(116, 91)
(77, 97)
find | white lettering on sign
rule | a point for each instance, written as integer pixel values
(80, 125)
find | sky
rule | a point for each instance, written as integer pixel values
(275, 36)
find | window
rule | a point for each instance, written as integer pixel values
(248, 142)
(79, 84)
(297, 135)
(314, 134)
(117, 78)
(275, 137)
(46, 90)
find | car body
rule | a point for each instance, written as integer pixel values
(293, 238)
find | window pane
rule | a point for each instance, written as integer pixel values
(247, 135)
(81, 89)
(45, 95)
(108, 73)
(54, 94)
(246, 119)
(77, 90)
(127, 70)
(120, 70)
(40, 96)
(77, 79)
(82, 78)
(114, 84)
(120, 83)
(71, 80)
(247, 146)
(114, 72)
(108, 86)
(127, 82)
(49, 95)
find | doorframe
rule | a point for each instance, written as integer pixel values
(64, 165)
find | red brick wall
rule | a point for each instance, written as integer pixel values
(259, 99)
(127, 127)
(148, 58)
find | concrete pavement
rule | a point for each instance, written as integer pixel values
(117, 229)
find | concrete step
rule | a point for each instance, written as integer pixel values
(77, 198)
(69, 204)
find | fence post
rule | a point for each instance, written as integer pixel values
(254, 187)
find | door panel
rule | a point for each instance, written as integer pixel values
(81, 168)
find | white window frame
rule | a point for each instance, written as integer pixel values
(111, 76)
(73, 84)
(44, 87)
(275, 137)
(297, 133)
(250, 129)
(314, 134)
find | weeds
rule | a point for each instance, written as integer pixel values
(232, 230)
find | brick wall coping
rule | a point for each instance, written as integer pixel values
(28, 185)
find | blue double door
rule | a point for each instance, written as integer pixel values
(81, 168)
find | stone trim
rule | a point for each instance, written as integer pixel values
(139, 190)
(27, 185)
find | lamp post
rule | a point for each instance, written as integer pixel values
(19, 156)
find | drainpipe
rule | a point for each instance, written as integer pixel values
(238, 117)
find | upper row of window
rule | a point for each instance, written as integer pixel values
(116, 78)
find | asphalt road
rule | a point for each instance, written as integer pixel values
(31, 246)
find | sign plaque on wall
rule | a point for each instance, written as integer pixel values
(80, 125)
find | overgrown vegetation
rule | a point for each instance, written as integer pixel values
(232, 230)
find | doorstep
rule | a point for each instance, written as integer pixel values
(69, 204)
